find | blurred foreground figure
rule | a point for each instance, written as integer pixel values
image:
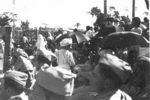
(139, 84)
(22, 63)
(53, 83)
(13, 86)
(106, 80)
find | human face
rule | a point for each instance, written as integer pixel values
(96, 80)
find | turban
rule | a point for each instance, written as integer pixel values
(17, 76)
(66, 42)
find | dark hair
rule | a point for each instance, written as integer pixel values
(112, 7)
(108, 30)
(43, 59)
(75, 30)
(136, 21)
(87, 28)
(29, 51)
(95, 28)
(146, 19)
(109, 19)
(108, 73)
(24, 34)
(11, 83)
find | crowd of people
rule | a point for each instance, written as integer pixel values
(51, 71)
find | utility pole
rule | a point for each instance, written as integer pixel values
(13, 28)
(105, 9)
(133, 8)
(7, 50)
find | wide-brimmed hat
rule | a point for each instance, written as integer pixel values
(120, 67)
(66, 42)
(56, 80)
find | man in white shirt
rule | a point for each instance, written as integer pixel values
(65, 57)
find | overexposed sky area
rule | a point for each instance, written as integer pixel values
(64, 13)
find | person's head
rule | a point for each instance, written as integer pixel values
(116, 21)
(13, 84)
(87, 28)
(108, 30)
(53, 82)
(132, 56)
(136, 22)
(112, 8)
(109, 21)
(146, 19)
(75, 30)
(109, 74)
(141, 71)
(24, 35)
(18, 52)
(43, 57)
(29, 51)
(95, 28)
(66, 43)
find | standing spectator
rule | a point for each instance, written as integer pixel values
(65, 57)
(13, 87)
(106, 80)
(136, 22)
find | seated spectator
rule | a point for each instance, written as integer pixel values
(13, 87)
(53, 83)
(106, 80)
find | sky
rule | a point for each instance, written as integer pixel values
(64, 13)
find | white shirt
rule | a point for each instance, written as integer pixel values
(65, 58)
(137, 30)
(89, 33)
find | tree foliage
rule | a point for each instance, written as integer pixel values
(25, 25)
(95, 11)
(77, 24)
(7, 17)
